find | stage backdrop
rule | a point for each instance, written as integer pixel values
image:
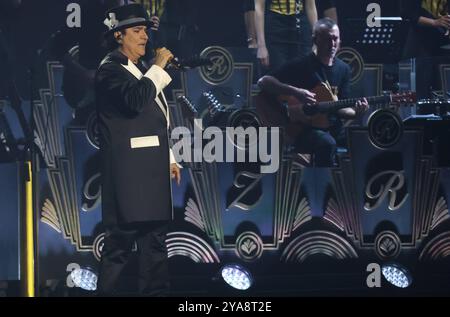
(386, 200)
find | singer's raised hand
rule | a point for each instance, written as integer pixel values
(163, 56)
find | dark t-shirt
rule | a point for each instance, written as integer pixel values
(308, 72)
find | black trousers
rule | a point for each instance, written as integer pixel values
(286, 39)
(321, 144)
(153, 271)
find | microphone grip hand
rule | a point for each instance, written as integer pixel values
(163, 57)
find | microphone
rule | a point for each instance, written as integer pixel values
(189, 63)
(174, 63)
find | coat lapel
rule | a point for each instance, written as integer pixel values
(161, 102)
(133, 69)
(162, 105)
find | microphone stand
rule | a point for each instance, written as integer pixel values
(30, 165)
(31, 159)
(25, 156)
(29, 226)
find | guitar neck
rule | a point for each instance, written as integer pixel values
(345, 103)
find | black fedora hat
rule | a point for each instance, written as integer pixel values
(126, 16)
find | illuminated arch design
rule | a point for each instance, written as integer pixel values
(190, 245)
(49, 215)
(440, 213)
(332, 215)
(437, 248)
(318, 242)
(192, 214)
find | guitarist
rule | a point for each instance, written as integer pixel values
(298, 77)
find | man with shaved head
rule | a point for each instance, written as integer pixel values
(298, 77)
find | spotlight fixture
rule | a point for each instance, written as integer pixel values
(397, 275)
(237, 276)
(84, 278)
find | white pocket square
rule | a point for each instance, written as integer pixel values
(144, 141)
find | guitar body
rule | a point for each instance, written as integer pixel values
(291, 114)
(323, 94)
(288, 112)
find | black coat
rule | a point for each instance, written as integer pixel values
(133, 126)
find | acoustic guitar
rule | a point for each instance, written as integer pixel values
(293, 115)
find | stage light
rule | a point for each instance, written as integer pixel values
(84, 278)
(237, 276)
(397, 275)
